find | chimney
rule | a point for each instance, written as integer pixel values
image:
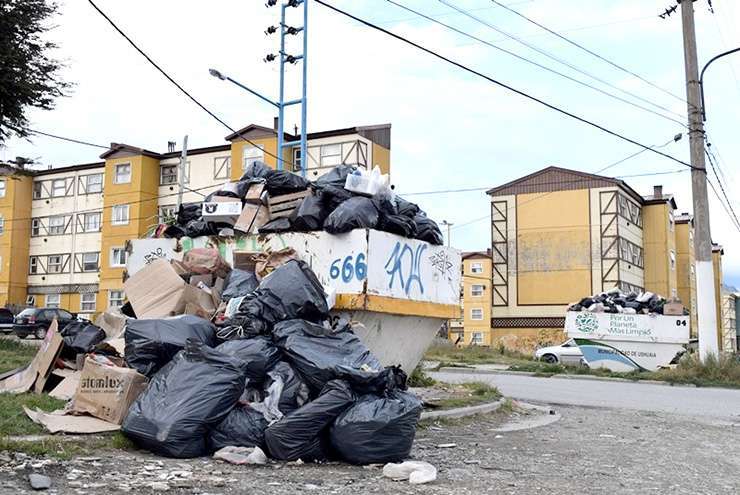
(171, 146)
(658, 191)
(275, 124)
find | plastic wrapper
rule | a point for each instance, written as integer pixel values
(190, 395)
(301, 434)
(242, 427)
(294, 391)
(377, 429)
(310, 215)
(80, 337)
(238, 283)
(427, 230)
(151, 344)
(355, 213)
(259, 353)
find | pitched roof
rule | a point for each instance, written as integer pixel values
(127, 148)
(254, 131)
(476, 254)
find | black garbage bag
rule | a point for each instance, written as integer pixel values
(309, 215)
(398, 224)
(377, 429)
(427, 230)
(281, 224)
(290, 291)
(188, 212)
(242, 427)
(259, 353)
(301, 434)
(336, 177)
(200, 227)
(80, 337)
(257, 170)
(322, 354)
(190, 395)
(239, 283)
(407, 208)
(284, 182)
(357, 212)
(295, 391)
(151, 344)
(174, 232)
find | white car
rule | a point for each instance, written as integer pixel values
(566, 353)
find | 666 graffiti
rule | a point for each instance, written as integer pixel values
(351, 267)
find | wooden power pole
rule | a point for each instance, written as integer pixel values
(705, 296)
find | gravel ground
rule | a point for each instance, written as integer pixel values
(587, 451)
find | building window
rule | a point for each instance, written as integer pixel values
(253, 154)
(476, 290)
(168, 174)
(90, 262)
(296, 159)
(120, 215)
(118, 257)
(331, 155)
(38, 190)
(2, 225)
(87, 303)
(673, 260)
(53, 300)
(91, 222)
(2, 188)
(476, 338)
(56, 225)
(94, 183)
(167, 213)
(58, 188)
(476, 268)
(33, 265)
(476, 313)
(115, 298)
(122, 173)
(222, 167)
(35, 227)
(54, 263)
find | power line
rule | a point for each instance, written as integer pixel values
(722, 188)
(178, 86)
(524, 59)
(555, 58)
(501, 84)
(32, 131)
(600, 57)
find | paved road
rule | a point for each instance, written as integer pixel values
(711, 403)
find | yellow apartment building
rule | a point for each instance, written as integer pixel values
(474, 326)
(64, 231)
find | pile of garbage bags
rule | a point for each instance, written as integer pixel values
(329, 203)
(616, 301)
(278, 374)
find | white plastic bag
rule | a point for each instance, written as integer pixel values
(417, 472)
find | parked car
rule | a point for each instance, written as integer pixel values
(6, 320)
(36, 321)
(566, 353)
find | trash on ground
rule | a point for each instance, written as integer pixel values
(241, 455)
(417, 472)
(61, 422)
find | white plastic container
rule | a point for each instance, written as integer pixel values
(366, 183)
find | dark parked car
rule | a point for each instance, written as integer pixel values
(6, 320)
(36, 321)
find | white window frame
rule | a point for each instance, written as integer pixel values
(249, 155)
(55, 228)
(167, 211)
(33, 265)
(38, 190)
(96, 261)
(35, 227)
(117, 218)
(2, 188)
(118, 300)
(476, 267)
(88, 184)
(54, 184)
(49, 263)
(476, 338)
(90, 308)
(672, 257)
(55, 304)
(88, 226)
(172, 178)
(328, 156)
(479, 292)
(116, 253)
(474, 311)
(296, 159)
(222, 164)
(122, 177)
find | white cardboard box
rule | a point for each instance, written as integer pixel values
(222, 211)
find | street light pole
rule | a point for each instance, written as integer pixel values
(448, 225)
(701, 79)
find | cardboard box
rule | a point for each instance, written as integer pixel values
(252, 218)
(107, 392)
(225, 210)
(254, 193)
(244, 260)
(158, 292)
(673, 308)
(38, 371)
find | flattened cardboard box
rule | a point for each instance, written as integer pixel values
(158, 291)
(107, 392)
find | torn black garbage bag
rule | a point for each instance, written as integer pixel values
(150, 344)
(309, 215)
(427, 230)
(242, 427)
(294, 392)
(259, 353)
(321, 354)
(377, 429)
(80, 337)
(239, 283)
(356, 213)
(300, 434)
(190, 395)
(284, 182)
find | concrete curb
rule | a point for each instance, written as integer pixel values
(562, 376)
(462, 412)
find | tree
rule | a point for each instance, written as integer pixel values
(29, 76)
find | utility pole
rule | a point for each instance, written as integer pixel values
(705, 296)
(181, 171)
(448, 225)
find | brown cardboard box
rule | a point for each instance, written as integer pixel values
(107, 392)
(253, 215)
(244, 260)
(158, 291)
(674, 307)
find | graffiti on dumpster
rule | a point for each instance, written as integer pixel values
(154, 255)
(441, 262)
(348, 268)
(404, 262)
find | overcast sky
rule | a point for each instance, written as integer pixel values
(451, 130)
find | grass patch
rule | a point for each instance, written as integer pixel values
(455, 356)
(475, 393)
(419, 378)
(13, 420)
(13, 354)
(64, 448)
